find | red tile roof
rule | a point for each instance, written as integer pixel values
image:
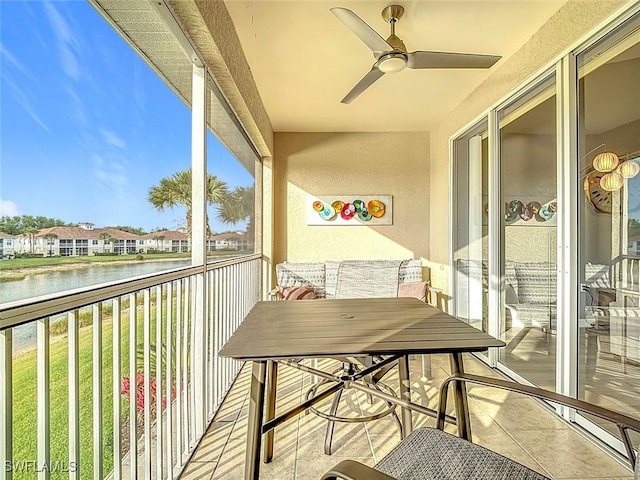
(81, 233)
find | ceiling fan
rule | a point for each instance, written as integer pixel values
(391, 54)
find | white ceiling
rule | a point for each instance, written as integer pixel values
(304, 60)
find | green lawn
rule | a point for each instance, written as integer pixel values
(25, 391)
(19, 263)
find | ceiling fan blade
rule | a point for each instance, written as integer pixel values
(364, 32)
(368, 80)
(421, 59)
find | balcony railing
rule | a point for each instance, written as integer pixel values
(129, 381)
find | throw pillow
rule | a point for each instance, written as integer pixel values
(417, 290)
(304, 292)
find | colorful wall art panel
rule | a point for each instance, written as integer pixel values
(350, 210)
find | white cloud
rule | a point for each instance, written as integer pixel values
(21, 96)
(111, 175)
(112, 139)
(8, 208)
(65, 40)
(8, 57)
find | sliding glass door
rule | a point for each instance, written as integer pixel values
(528, 183)
(471, 217)
(609, 221)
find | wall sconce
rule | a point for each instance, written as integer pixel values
(614, 171)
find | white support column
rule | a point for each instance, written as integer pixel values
(199, 239)
(6, 395)
(44, 424)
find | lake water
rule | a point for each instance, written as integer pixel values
(47, 283)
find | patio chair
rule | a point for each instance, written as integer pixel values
(431, 453)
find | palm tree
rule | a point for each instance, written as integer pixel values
(50, 237)
(158, 239)
(31, 232)
(237, 206)
(176, 190)
(106, 238)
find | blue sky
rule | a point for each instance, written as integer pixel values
(86, 127)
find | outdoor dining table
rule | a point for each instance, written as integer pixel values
(394, 328)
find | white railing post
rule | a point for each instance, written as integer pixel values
(73, 331)
(169, 381)
(146, 308)
(179, 380)
(43, 402)
(185, 370)
(98, 473)
(159, 360)
(133, 412)
(116, 385)
(6, 395)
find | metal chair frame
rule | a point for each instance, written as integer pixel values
(352, 470)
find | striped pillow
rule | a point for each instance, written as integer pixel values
(304, 292)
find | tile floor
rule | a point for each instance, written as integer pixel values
(514, 426)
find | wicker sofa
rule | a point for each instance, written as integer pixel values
(323, 276)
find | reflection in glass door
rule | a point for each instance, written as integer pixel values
(528, 185)
(609, 222)
(470, 232)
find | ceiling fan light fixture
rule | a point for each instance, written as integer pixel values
(392, 63)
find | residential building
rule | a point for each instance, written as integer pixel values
(6, 245)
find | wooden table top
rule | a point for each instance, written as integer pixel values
(332, 327)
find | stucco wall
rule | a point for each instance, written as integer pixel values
(352, 163)
(568, 25)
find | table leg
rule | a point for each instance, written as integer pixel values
(426, 366)
(272, 382)
(462, 403)
(254, 431)
(405, 393)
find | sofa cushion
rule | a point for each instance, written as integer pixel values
(304, 292)
(536, 282)
(368, 278)
(291, 274)
(331, 278)
(410, 271)
(416, 290)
